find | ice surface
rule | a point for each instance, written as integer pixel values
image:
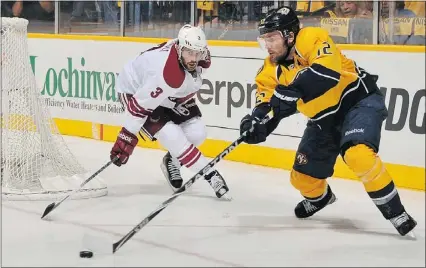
(257, 228)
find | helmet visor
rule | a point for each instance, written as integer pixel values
(269, 40)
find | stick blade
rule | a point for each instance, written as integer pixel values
(114, 246)
(48, 209)
(117, 245)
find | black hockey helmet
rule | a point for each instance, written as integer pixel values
(282, 19)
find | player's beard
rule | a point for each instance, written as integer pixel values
(190, 66)
(281, 57)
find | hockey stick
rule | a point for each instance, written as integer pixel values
(116, 246)
(54, 205)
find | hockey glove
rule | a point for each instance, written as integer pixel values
(284, 101)
(256, 135)
(123, 147)
(205, 62)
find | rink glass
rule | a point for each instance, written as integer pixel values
(348, 22)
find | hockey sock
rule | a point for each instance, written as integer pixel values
(308, 186)
(172, 137)
(379, 185)
(192, 158)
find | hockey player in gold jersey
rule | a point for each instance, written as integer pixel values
(306, 72)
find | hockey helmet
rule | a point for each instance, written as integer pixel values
(192, 38)
(283, 19)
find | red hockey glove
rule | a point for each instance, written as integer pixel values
(123, 147)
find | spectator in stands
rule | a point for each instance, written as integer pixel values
(110, 11)
(84, 11)
(369, 6)
(81, 11)
(310, 6)
(419, 31)
(353, 9)
(314, 9)
(77, 11)
(418, 7)
(399, 9)
(162, 12)
(402, 29)
(30, 10)
(6, 8)
(181, 13)
(207, 12)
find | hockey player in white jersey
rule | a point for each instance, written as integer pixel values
(157, 89)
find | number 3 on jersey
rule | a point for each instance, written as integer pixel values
(156, 93)
(325, 49)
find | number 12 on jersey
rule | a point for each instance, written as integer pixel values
(325, 49)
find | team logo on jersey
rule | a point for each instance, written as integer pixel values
(284, 11)
(301, 159)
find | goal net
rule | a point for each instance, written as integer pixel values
(36, 163)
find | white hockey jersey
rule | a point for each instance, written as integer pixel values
(153, 79)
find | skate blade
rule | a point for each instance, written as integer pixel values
(226, 197)
(411, 235)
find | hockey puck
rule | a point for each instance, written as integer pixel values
(86, 254)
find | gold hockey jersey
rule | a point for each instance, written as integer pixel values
(328, 82)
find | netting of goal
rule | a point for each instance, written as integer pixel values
(36, 163)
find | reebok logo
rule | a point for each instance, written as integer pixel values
(285, 98)
(125, 138)
(355, 130)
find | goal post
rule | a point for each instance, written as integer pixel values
(36, 163)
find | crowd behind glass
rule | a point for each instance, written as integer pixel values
(352, 22)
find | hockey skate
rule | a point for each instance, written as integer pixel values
(172, 172)
(307, 207)
(218, 184)
(404, 223)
